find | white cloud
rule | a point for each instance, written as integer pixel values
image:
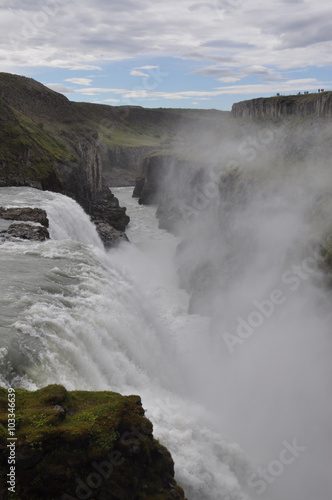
(147, 67)
(135, 72)
(253, 31)
(289, 86)
(232, 39)
(100, 90)
(230, 75)
(80, 81)
(229, 79)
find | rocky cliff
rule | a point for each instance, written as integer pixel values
(316, 105)
(82, 444)
(219, 176)
(30, 224)
(47, 144)
(80, 149)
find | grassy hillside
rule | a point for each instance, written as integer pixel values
(44, 135)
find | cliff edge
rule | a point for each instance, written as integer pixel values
(81, 444)
(316, 105)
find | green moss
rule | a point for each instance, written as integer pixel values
(44, 139)
(127, 136)
(52, 394)
(28, 150)
(64, 437)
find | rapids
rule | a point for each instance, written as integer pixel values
(88, 319)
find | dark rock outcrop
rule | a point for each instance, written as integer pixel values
(37, 215)
(166, 177)
(139, 184)
(105, 208)
(110, 236)
(156, 170)
(34, 228)
(84, 444)
(25, 232)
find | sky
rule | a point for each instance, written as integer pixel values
(178, 54)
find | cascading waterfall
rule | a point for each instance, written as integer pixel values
(89, 319)
(76, 315)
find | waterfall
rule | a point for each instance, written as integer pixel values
(67, 219)
(88, 319)
(244, 420)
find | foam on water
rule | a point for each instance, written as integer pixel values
(76, 315)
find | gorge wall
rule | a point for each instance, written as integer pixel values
(265, 144)
(80, 149)
(317, 105)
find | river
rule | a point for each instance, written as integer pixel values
(241, 401)
(77, 315)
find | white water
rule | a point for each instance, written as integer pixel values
(76, 315)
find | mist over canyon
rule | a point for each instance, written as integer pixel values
(217, 311)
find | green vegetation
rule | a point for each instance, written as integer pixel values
(101, 439)
(52, 145)
(128, 137)
(28, 150)
(55, 144)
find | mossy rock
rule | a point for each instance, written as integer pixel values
(82, 444)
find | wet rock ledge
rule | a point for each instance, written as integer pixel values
(84, 444)
(30, 224)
